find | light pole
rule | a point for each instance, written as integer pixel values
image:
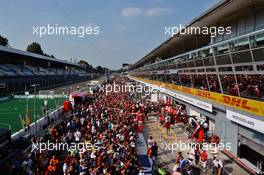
(35, 91)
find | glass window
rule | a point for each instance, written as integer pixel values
(225, 69)
(209, 61)
(228, 84)
(170, 64)
(210, 69)
(174, 65)
(257, 42)
(199, 62)
(153, 76)
(200, 70)
(206, 52)
(191, 64)
(242, 57)
(184, 65)
(244, 68)
(179, 66)
(185, 80)
(199, 81)
(221, 49)
(168, 78)
(213, 83)
(162, 78)
(240, 44)
(175, 79)
(251, 86)
(223, 59)
(166, 65)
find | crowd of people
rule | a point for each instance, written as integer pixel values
(109, 124)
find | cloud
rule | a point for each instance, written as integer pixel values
(132, 11)
(157, 11)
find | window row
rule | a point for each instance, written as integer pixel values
(242, 50)
(243, 85)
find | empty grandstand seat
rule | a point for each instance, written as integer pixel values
(15, 68)
(7, 70)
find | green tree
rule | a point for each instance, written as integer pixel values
(85, 65)
(35, 48)
(99, 69)
(3, 41)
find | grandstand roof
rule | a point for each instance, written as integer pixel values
(34, 56)
(221, 12)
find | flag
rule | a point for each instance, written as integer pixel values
(28, 119)
(22, 121)
(27, 116)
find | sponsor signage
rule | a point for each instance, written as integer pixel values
(198, 103)
(245, 121)
(244, 104)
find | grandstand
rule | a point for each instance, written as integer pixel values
(220, 79)
(20, 69)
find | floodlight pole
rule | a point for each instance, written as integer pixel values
(35, 91)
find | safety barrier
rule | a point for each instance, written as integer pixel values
(39, 125)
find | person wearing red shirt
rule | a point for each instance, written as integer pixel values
(167, 126)
(204, 158)
(53, 133)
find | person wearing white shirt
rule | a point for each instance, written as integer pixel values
(77, 136)
(217, 166)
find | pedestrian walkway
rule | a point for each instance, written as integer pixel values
(142, 150)
(167, 148)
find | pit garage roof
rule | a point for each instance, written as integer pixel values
(221, 13)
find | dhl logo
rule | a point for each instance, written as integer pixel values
(233, 101)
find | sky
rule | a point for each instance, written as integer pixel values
(128, 29)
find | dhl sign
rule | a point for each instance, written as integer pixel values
(244, 104)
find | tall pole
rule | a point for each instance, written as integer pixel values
(35, 108)
(35, 92)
